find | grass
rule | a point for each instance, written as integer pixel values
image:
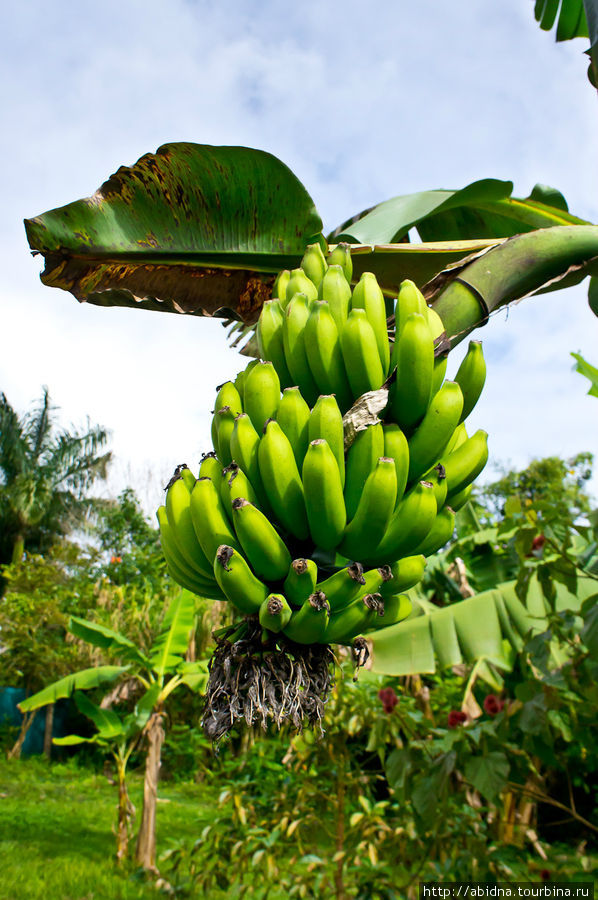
(56, 838)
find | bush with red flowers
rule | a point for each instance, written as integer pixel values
(493, 704)
(388, 698)
(456, 717)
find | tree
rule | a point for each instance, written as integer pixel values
(45, 476)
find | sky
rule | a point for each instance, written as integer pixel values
(363, 102)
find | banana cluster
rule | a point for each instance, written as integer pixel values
(322, 543)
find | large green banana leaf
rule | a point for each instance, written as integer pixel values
(84, 680)
(488, 626)
(101, 636)
(574, 18)
(171, 644)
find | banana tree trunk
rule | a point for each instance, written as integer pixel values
(146, 839)
(18, 548)
(126, 813)
(48, 729)
(26, 724)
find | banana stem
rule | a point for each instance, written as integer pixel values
(522, 265)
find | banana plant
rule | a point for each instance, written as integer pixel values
(157, 672)
(573, 18)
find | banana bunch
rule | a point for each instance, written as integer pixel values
(318, 542)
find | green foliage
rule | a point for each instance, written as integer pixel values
(129, 545)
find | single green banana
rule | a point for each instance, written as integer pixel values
(430, 438)
(210, 467)
(464, 464)
(440, 361)
(293, 335)
(360, 354)
(341, 256)
(308, 624)
(363, 454)
(325, 356)
(459, 500)
(279, 291)
(262, 545)
(239, 382)
(187, 476)
(397, 449)
(396, 608)
(269, 339)
(326, 423)
(437, 477)
(335, 290)
(376, 505)
(281, 480)
(459, 437)
(210, 521)
(440, 533)
(226, 422)
(368, 295)
(300, 581)
(343, 587)
(409, 300)
(178, 567)
(234, 484)
(178, 511)
(293, 417)
(261, 394)
(250, 365)
(299, 283)
(356, 618)
(471, 376)
(237, 581)
(314, 263)
(405, 574)
(410, 523)
(411, 393)
(244, 445)
(375, 580)
(324, 500)
(275, 613)
(228, 395)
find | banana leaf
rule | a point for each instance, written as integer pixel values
(106, 638)
(108, 723)
(172, 642)
(574, 18)
(84, 680)
(488, 626)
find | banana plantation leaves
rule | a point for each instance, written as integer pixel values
(103, 637)
(484, 627)
(574, 18)
(108, 723)
(84, 680)
(482, 210)
(171, 644)
(191, 228)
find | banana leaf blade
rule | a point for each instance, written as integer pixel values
(84, 680)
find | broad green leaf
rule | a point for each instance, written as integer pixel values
(108, 723)
(191, 228)
(568, 14)
(483, 209)
(481, 627)
(101, 636)
(84, 680)
(144, 707)
(488, 774)
(172, 642)
(195, 674)
(71, 740)
(590, 372)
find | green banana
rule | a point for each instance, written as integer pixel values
(308, 624)
(178, 511)
(314, 263)
(281, 480)
(244, 445)
(459, 437)
(440, 361)
(343, 587)
(397, 449)
(324, 500)
(293, 417)
(464, 464)
(325, 356)
(335, 290)
(178, 567)
(440, 533)
(269, 339)
(367, 295)
(275, 613)
(365, 450)
(410, 523)
(228, 395)
(279, 291)
(237, 581)
(409, 300)
(412, 391)
(360, 354)
(210, 467)
(262, 545)
(226, 422)
(234, 484)
(376, 505)
(326, 423)
(374, 580)
(187, 476)
(210, 521)
(435, 430)
(341, 256)
(293, 335)
(354, 619)
(471, 376)
(261, 394)
(437, 477)
(459, 500)
(405, 574)
(299, 283)
(300, 581)
(396, 608)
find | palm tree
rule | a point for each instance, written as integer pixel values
(45, 475)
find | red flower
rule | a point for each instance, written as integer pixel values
(388, 698)
(537, 546)
(492, 704)
(456, 717)
(116, 559)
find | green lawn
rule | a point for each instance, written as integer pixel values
(56, 840)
